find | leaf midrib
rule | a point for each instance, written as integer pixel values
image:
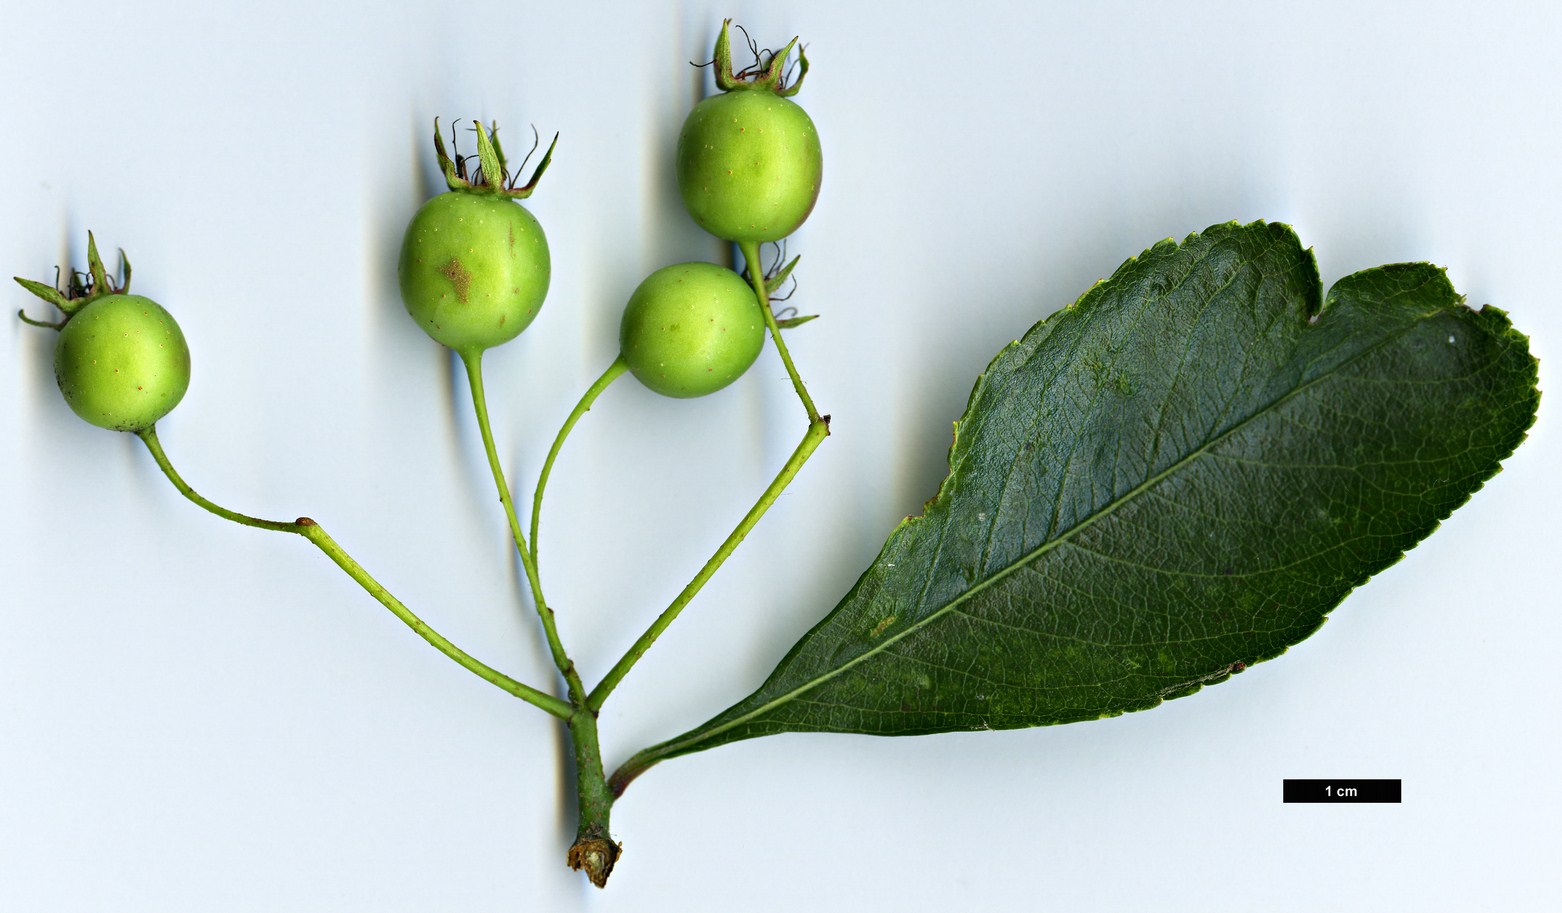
(1062, 538)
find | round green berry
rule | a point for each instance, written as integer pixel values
(749, 164)
(122, 362)
(691, 329)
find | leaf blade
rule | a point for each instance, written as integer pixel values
(1172, 479)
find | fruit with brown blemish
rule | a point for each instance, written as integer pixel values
(474, 265)
(474, 269)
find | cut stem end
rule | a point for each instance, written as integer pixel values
(595, 855)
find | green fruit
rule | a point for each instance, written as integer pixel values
(122, 362)
(749, 164)
(473, 270)
(691, 329)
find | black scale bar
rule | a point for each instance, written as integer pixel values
(1343, 791)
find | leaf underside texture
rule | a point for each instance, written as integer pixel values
(1176, 477)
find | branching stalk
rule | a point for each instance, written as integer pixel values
(316, 534)
(474, 373)
(614, 370)
(594, 851)
(756, 276)
(817, 432)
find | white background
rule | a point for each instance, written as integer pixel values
(197, 716)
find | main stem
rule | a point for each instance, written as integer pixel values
(316, 534)
(594, 850)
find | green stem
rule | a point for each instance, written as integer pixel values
(149, 437)
(618, 367)
(312, 531)
(756, 275)
(594, 850)
(473, 359)
(818, 430)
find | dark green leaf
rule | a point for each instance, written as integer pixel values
(1171, 480)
